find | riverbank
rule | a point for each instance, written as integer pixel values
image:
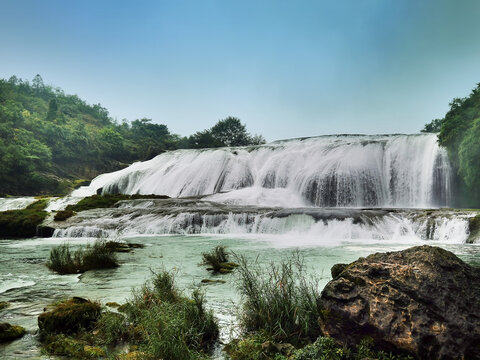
(29, 286)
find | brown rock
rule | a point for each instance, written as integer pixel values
(422, 301)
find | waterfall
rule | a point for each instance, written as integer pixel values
(325, 171)
(301, 226)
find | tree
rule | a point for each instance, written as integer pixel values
(203, 139)
(230, 132)
(52, 109)
(37, 83)
(469, 156)
(257, 140)
(433, 127)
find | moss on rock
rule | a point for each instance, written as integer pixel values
(4, 305)
(69, 317)
(23, 223)
(63, 215)
(10, 332)
(108, 200)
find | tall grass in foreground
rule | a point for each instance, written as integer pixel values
(91, 257)
(279, 300)
(163, 323)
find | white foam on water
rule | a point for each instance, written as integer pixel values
(9, 283)
(16, 203)
(300, 229)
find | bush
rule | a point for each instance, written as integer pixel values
(163, 323)
(279, 300)
(63, 215)
(218, 261)
(96, 257)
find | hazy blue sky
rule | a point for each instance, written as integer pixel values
(286, 68)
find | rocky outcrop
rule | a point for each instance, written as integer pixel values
(422, 301)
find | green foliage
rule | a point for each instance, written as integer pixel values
(106, 201)
(71, 348)
(433, 127)
(48, 138)
(469, 156)
(280, 300)
(163, 323)
(254, 347)
(46, 135)
(22, 223)
(96, 257)
(459, 133)
(63, 215)
(226, 132)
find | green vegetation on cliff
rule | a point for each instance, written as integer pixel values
(49, 140)
(459, 132)
(23, 223)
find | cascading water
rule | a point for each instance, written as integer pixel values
(311, 188)
(326, 171)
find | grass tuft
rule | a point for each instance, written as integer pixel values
(217, 261)
(163, 323)
(92, 257)
(279, 300)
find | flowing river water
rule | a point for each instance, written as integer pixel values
(333, 199)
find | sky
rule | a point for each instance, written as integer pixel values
(285, 68)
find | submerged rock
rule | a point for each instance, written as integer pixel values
(10, 332)
(422, 301)
(68, 317)
(4, 305)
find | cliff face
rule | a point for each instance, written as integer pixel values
(422, 301)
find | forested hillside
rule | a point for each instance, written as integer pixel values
(50, 140)
(459, 132)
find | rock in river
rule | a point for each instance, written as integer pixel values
(422, 301)
(69, 316)
(10, 332)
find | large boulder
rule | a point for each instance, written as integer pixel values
(422, 301)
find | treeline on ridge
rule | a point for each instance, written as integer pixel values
(49, 139)
(459, 133)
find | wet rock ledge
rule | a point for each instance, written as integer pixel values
(423, 301)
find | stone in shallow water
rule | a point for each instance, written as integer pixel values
(68, 317)
(10, 332)
(423, 301)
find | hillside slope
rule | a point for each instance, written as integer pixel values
(49, 139)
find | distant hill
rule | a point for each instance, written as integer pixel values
(51, 141)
